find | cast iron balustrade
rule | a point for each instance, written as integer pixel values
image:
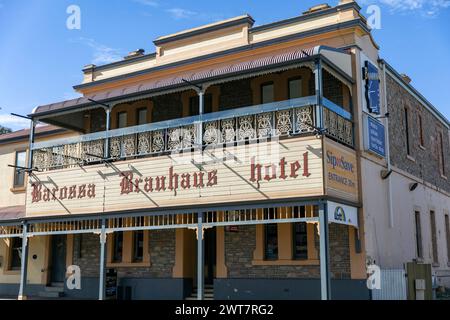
(278, 119)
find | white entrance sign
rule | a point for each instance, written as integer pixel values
(342, 214)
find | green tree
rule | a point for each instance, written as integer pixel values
(4, 130)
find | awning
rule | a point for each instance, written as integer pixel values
(12, 213)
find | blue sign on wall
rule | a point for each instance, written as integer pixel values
(376, 136)
(372, 87)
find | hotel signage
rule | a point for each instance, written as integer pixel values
(264, 171)
(342, 214)
(375, 136)
(372, 86)
(341, 172)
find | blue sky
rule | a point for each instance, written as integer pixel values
(40, 59)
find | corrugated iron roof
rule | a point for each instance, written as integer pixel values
(25, 133)
(12, 213)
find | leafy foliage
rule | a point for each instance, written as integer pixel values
(4, 130)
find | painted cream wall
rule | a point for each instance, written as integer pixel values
(37, 268)
(392, 247)
(8, 196)
(233, 37)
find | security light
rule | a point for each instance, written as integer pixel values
(385, 174)
(413, 186)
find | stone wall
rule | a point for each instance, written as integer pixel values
(86, 254)
(239, 248)
(167, 107)
(235, 94)
(162, 256)
(424, 163)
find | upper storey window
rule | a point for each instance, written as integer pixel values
(141, 116)
(267, 93)
(19, 175)
(408, 147)
(295, 88)
(441, 153)
(122, 119)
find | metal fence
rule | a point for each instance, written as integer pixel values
(393, 285)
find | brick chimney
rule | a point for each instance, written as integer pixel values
(135, 54)
(319, 7)
(406, 78)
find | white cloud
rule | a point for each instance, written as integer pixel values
(423, 7)
(179, 13)
(14, 122)
(102, 54)
(150, 3)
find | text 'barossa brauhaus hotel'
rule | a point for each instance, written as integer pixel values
(282, 161)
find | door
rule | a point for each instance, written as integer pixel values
(58, 263)
(210, 255)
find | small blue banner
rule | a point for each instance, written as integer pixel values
(376, 136)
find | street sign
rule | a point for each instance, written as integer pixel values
(375, 137)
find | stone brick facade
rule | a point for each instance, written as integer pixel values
(167, 107)
(86, 254)
(235, 94)
(239, 248)
(162, 256)
(424, 162)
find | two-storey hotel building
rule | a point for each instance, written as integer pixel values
(234, 162)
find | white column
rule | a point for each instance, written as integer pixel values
(325, 283)
(24, 263)
(102, 277)
(200, 258)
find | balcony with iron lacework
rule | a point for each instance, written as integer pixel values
(310, 114)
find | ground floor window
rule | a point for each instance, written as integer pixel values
(300, 241)
(287, 243)
(271, 241)
(128, 249)
(138, 246)
(418, 235)
(118, 247)
(15, 254)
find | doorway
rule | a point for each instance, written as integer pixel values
(58, 259)
(210, 255)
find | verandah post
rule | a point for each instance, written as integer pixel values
(102, 278)
(24, 263)
(325, 283)
(200, 257)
